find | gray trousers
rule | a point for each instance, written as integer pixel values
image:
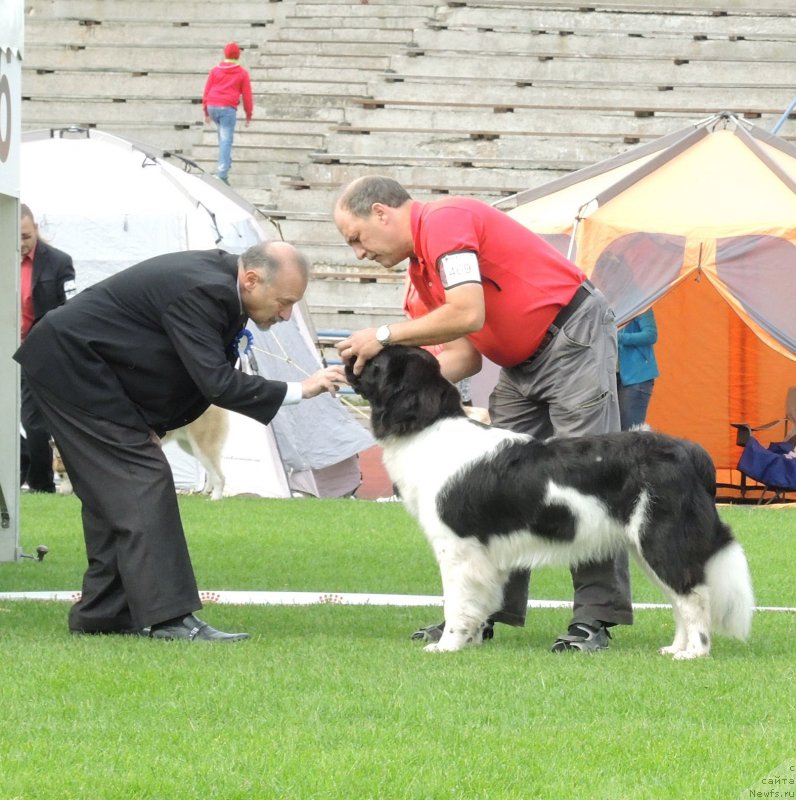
(139, 569)
(569, 389)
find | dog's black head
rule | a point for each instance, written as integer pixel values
(406, 391)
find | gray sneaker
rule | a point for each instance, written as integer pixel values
(582, 637)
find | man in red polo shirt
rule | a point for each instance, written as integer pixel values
(512, 297)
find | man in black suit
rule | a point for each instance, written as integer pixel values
(142, 352)
(47, 279)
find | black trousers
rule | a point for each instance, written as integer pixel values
(139, 569)
(36, 455)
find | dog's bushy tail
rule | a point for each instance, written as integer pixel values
(730, 586)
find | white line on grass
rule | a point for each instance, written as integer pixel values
(336, 598)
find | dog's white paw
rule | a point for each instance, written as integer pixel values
(670, 650)
(688, 655)
(442, 646)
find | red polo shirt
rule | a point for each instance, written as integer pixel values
(526, 281)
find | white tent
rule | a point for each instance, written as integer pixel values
(111, 203)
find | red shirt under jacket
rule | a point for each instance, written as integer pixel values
(526, 281)
(28, 315)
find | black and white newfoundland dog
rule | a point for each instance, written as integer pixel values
(491, 501)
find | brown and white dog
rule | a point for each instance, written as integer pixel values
(203, 439)
(491, 501)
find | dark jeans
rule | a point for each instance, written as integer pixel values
(634, 400)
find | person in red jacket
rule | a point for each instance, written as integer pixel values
(226, 84)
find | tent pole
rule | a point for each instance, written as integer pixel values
(571, 247)
(784, 117)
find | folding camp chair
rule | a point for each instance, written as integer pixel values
(772, 467)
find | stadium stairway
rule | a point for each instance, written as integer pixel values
(483, 97)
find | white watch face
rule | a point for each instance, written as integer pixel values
(383, 335)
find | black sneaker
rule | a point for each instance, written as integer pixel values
(582, 637)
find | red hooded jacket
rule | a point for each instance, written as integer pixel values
(226, 84)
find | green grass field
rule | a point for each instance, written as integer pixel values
(333, 701)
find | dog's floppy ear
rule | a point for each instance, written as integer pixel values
(407, 392)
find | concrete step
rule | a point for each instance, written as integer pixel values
(121, 85)
(273, 110)
(583, 147)
(313, 83)
(522, 121)
(611, 70)
(351, 305)
(100, 112)
(349, 49)
(330, 256)
(99, 11)
(258, 147)
(133, 58)
(698, 20)
(300, 103)
(263, 137)
(356, 12)
(380, 162)
(323, 32)
(441, 178)
(289, 72)
(307, 130)
(344, 24)
(600, 43)
(278, 152)
(740, 7)
(198, 61)
(576, 98)
(343, 61)
(47, 30)
(252, 183)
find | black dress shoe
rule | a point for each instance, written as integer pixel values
(193, 629)
(112, 632)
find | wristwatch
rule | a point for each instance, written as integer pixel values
(383, 335)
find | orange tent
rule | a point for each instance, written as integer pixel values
(700, 224)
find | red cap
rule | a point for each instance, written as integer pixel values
(232, 51)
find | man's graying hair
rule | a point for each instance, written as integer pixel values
(260, 257)
(358, 198)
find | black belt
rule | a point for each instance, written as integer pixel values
(564, 315)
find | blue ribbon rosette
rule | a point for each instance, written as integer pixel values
(243, 349)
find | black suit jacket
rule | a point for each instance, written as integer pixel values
(150, 347)
(53, 273)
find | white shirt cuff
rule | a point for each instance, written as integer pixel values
(293, 394)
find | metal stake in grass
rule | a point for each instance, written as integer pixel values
(41, 551)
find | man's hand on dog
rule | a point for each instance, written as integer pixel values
(327, 379)
(359, 348)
